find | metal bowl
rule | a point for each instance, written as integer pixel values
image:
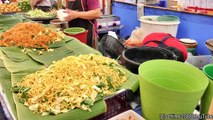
(59, 24)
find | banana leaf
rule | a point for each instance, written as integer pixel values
(79, 48)
(71, 46)
(11, 57)
(132, 82)
(1, 63)
(5, 81)
(46, 58)
(17, 61)
(7, 21)
(76, 114)
(20, 64)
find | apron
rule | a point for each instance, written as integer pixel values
(44, 8)
(86, 24)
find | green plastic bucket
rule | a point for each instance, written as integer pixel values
(170, 87)
(208, 95)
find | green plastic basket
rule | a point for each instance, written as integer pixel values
(208, 95)
(74, 30)
(208, 70)
(167, 18)
(166, 88)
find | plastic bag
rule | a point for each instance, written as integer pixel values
(135, 39)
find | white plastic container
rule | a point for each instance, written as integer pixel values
(62, 14)
(127, 115)
(149, 24)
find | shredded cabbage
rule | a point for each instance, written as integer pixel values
(73, 82)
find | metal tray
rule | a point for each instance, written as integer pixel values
(38, 18)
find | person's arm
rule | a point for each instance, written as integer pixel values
(38, 1)
(33, 3)
(89, 15)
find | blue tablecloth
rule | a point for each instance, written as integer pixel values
(194, 26)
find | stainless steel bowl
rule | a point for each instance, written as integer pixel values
(59, 24)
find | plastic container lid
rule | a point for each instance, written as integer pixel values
(209, 42)
(209, 45)
(154, 20)
(167, 18)
(188, 41)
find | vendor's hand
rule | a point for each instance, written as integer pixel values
(32, 4)
(72, 15)
(53, 11)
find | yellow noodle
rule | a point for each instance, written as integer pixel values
(66, 84)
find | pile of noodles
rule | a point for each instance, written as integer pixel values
(29, 35)
(73, 82)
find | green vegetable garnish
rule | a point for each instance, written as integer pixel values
(88, 101)
(16, 89)
(101, 84)
(99, 96)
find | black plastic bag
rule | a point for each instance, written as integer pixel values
(111, 47)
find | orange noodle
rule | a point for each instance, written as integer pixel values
(29, 35)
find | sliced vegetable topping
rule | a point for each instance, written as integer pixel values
(73, 82)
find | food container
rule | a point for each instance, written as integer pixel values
(78, 33)
(62, 14)
(111, 47)
(209, 45)
(190, 44)
(133, 57)
(127, 115)
(59, 24)
(208, 95)
(169, 87)
(150, 24)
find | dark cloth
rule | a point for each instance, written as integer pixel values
(86, 24)
(44, 8)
